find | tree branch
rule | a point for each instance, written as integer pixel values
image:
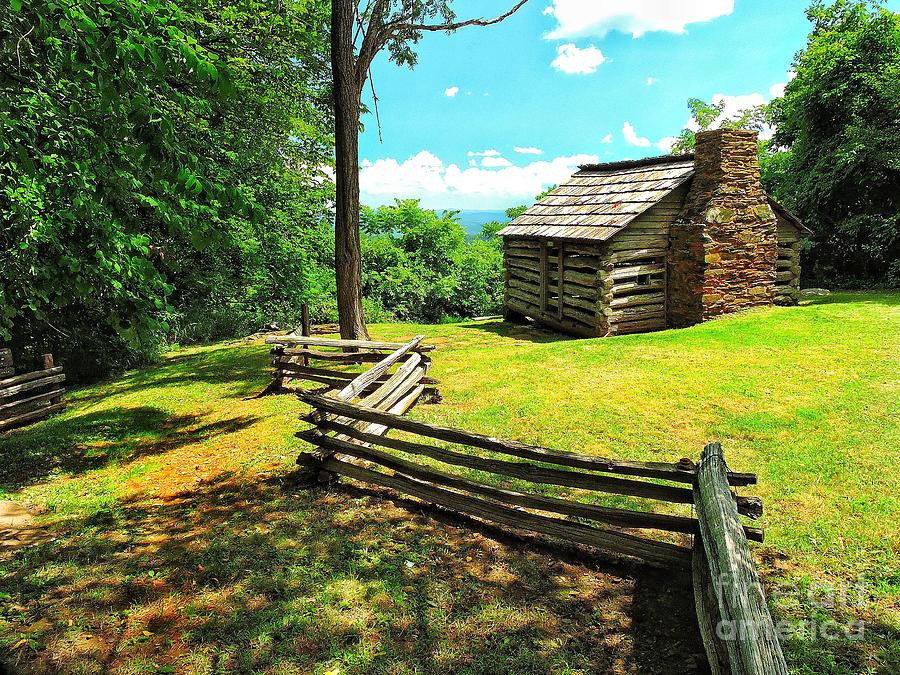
(454, 25)
(373, 40)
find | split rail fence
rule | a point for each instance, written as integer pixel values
(293, 356)
(29, 397)
(352, 439)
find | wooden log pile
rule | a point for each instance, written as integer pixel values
(29, 397)
(393, 461)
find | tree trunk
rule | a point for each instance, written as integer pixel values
(347, 92)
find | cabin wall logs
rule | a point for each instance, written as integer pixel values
(633, 274)
(787, 273)
(553, 282)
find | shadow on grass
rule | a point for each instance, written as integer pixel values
(80, 443)
(241, 577)
(888, 299)
(236, 576)
(528, 331)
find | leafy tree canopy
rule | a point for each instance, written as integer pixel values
(840, 118)
(143, 145)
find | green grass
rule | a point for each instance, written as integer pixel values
(178, 541)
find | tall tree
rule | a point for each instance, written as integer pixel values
(840, 117)
(357, 35)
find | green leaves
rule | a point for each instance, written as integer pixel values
(16, 5)
(840, 117)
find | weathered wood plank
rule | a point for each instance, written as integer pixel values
(625, 287)
(358, 384)
(618, 542)
(528, 472)
(561, 273)
(31, 416)
(708, 612)
(655, 254)
(31, 385)
(609, 515)
(27, 377)
(637, 299)
(682, 472)
(405, 371)
(347, 357)
(7, 408)
(332, 342)
(752, 642)
(545, 277)
(565, 326)
(634, 270)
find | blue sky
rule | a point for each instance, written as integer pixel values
(564, 82)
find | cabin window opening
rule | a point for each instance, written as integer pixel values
(643, 279)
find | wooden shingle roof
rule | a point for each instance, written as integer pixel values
(601, 199)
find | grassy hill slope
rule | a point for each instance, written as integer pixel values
(171, 538)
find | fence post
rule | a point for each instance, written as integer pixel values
(304, 326)
(744, 623)
(7, 368)
(48, 364)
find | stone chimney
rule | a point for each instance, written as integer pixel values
(723, 248)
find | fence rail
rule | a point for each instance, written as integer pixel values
(343, 442)
(292, 355)
(30, 397)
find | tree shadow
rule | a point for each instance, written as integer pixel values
(886, 298)
(262, 575)
(81, 443)
(244, 577)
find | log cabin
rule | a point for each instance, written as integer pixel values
(636, 246)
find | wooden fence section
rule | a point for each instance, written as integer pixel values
(340, 430)
(292, 356)
(738, 632)
(376, 388)
(27, 398)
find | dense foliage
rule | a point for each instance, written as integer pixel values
(160, 166)
(417, 265)
(840, 120)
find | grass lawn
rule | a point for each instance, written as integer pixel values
(172, 535)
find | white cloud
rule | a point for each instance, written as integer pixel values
(529, 151)
(451, 91)
(575, 61)
(592, 18)
(632, 138)
(777, 89)
(651, 81)
(495, 162)
(607, 139)
(484, 153)
(439, 185)
(665, 143)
